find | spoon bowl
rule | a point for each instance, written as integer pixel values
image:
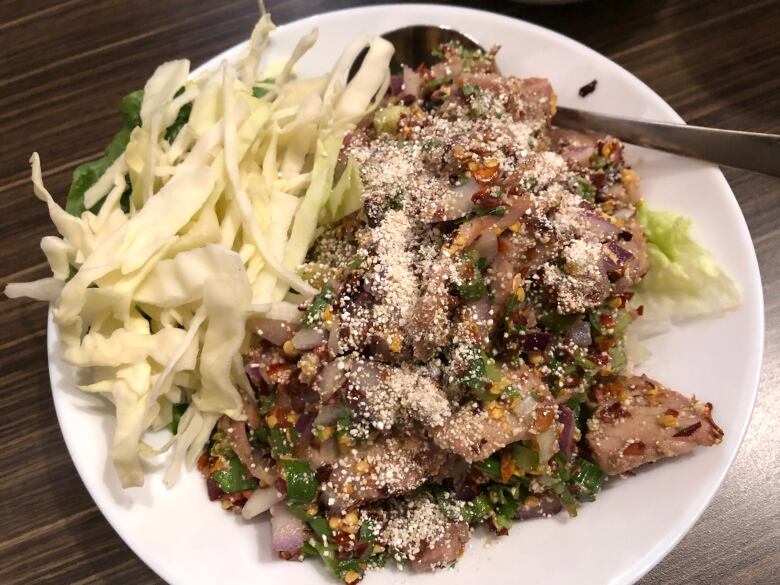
(414, 46)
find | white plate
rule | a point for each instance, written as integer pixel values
(188, 540)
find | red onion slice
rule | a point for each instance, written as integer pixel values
(411, 79)
(288, 533)
(396, 84)
(332, 377)
(599, 226)
(566, 440)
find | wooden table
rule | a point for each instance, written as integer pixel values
(65, 64)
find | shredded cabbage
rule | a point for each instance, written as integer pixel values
(684, 281)
(198, 218)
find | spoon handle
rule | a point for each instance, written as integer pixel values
(750, 151)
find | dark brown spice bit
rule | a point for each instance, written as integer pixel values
(323, 473)
(672, 412)
(614, 412)
(588, 88)
(291, 556)
(688, 431)
(634, 449)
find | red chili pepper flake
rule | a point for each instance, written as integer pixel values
(588, 88)
(204, 464)
(614, 412)
(607, 320)
(635, 449)
(640, 310)
(213, 490)
(688, 431)
(485, 199)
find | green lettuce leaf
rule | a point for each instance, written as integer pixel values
(683, 281)
(87, 174)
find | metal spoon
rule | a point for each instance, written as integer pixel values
(751, 151)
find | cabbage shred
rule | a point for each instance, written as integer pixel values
(197, 216)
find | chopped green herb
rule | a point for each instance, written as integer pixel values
(313, 315)
(233, 478)
(475, 375)
(587, 478)
(259, 91)
(396, 200)
(282, 441)
(491, 466)
(499, 211)
(586, 190)
(469, 90)
(356, 262)
(177, 410)
(477, 509)
(430, 144)
(301, 481)
(598, 162)
(617, 358)
(526, 459)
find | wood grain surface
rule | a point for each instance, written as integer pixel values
(64, 66)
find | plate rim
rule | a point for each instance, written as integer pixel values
(652, 556)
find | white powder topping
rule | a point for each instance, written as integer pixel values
(548, 167)
(411, 523)
(398, 395)
(582, 258)
(393, 278)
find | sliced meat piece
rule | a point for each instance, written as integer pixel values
(474, 433)
(352, 317)
(429, 326)
(582, 282)
(519, 253)
(576, 147)
(530, 100)
(638, 264)
(468, 233)
(639, 421)
(445, 550)
(386, 397)
(390, 466)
